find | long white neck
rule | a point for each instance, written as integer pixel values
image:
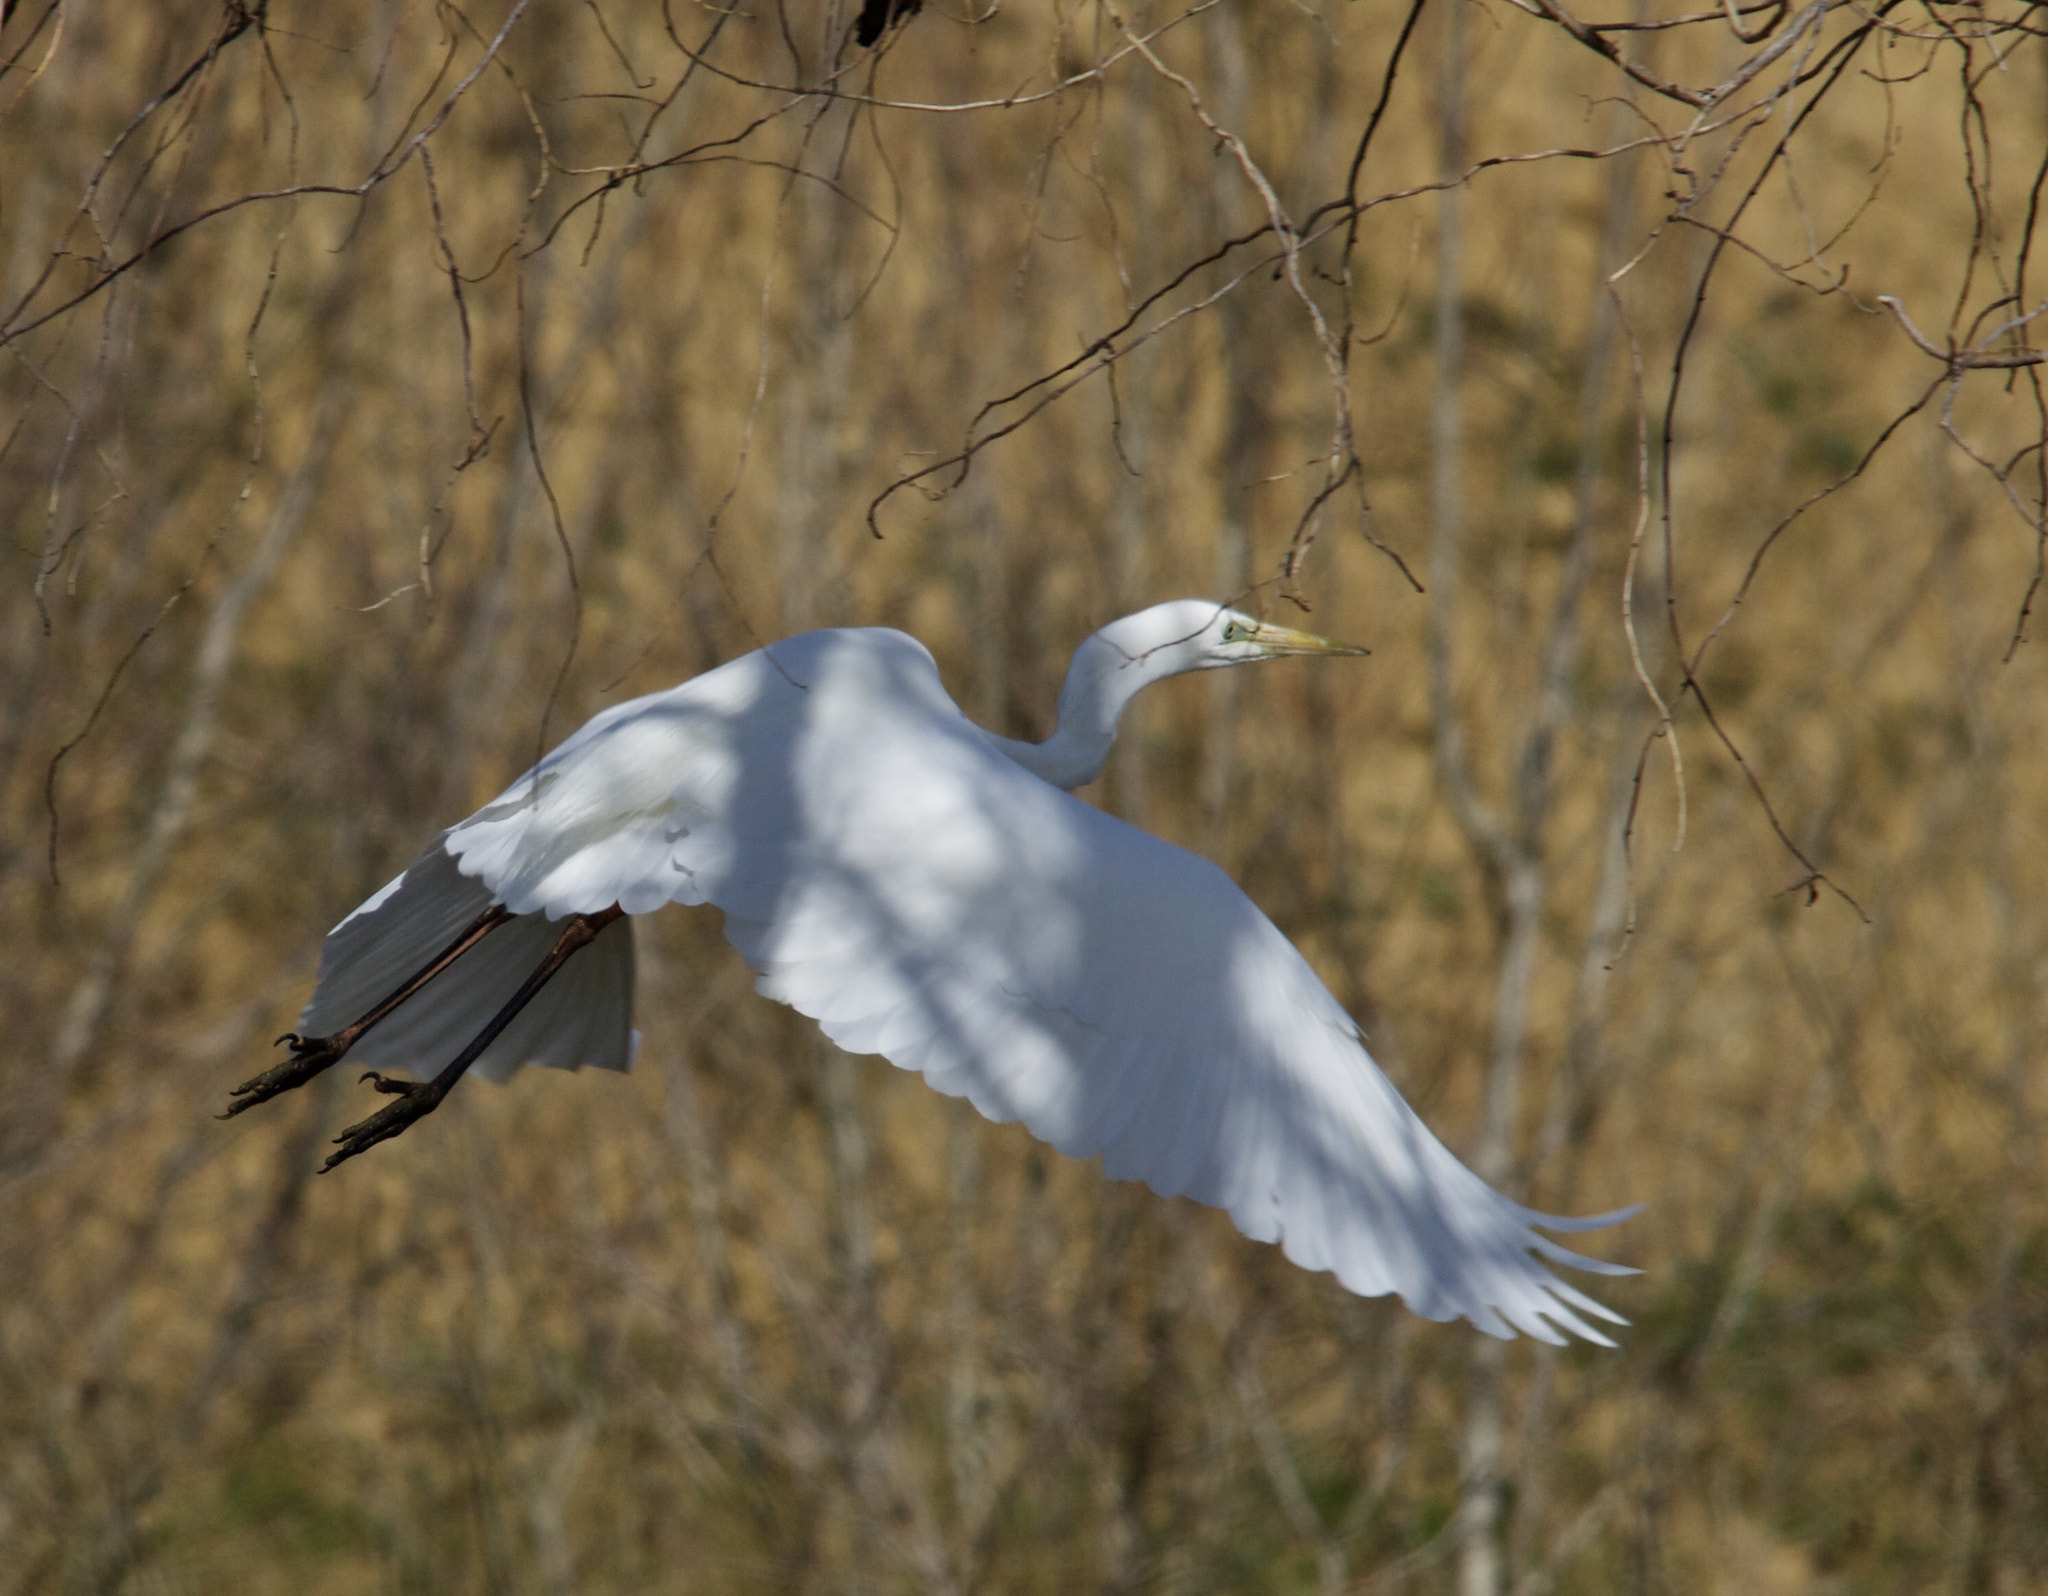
(1106, 673)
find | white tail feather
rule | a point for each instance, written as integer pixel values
(580, 1018)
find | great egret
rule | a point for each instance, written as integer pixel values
(934, 893)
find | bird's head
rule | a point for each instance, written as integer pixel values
(1200, 635)
(1127, 655)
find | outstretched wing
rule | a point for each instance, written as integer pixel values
(885, 870)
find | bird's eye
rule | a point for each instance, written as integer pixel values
(1232, 631)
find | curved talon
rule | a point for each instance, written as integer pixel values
(416, 1100)
(310, 1055)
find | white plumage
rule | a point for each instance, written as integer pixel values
(920, 889)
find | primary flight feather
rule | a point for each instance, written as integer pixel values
(931, 892)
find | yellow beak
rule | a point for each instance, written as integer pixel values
(1275, 641)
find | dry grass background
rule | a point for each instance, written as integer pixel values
(316, 545)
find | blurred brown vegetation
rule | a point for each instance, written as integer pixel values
(388, 387)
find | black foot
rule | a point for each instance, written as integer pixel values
(310, 1055)
(416, 1100)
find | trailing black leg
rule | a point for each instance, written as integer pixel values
(312, 1054)
(417, 1099)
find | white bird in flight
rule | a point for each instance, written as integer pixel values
(934, 893)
